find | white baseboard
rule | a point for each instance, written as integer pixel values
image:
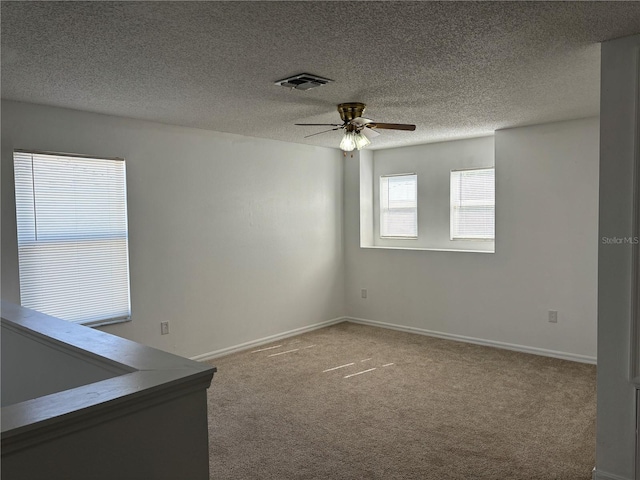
(600, 475)
(261, 341)
(421, 331)
(480, 341)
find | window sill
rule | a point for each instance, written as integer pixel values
(102, 323)
(461, 239)
(382, 247)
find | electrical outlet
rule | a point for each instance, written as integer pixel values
(553, 316)
(363, 293)
(164, 328)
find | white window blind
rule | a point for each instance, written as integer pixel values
(399, 206)
(72, 236)
(473, 204)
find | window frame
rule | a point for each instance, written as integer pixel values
(79, 239)
(383, 209)
(452, 207)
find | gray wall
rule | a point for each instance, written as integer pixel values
(232, 238)
(163, 441)
(33, 368)
(619, 137)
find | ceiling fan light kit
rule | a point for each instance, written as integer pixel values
(353, 140)
(358, 131)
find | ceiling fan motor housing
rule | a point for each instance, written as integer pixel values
(349, 111)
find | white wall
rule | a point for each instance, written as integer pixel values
(545, 259)
(433, 164)
(619, 160)
(232, 238)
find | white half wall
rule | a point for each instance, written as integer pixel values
(545, 257)
(232, 238)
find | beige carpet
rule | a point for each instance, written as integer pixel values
(431, 409)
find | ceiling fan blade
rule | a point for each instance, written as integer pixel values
(360, 121)
(367, 132)
(319, 124)
(392, 126)
(325, 131)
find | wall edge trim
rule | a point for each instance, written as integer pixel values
(478, 341)
(261, 341)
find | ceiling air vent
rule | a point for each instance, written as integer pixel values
(303, 81)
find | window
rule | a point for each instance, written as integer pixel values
(72, 236)
(473, 204)
(399, 206)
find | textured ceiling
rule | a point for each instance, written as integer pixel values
(455, 69)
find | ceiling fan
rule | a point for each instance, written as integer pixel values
(358, 131)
